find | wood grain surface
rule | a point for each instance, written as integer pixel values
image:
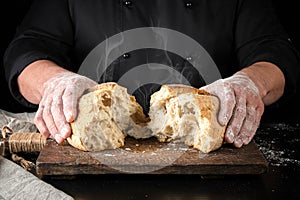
(150, 157)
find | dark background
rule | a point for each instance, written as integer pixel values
(12, 12)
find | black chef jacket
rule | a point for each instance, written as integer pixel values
(235, 33)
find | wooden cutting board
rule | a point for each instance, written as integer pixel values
(150, 157)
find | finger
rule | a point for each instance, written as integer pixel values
(227, 104)
(39, 122)
(249, 127)
(259, 112)
(49, 121)
(237, 120)
(238, 142)
(70, 99)
(38, 119)
(59, 118)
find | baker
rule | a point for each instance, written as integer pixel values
(254, 55)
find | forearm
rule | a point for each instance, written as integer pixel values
(268, 78)
(33, 77)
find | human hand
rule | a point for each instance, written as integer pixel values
(241, 107)
(58, 106)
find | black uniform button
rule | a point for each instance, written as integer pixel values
(127, 3)
(188, 4)
(126, 55)
(189, 58)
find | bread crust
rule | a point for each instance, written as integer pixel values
(75, 141)
(180, 104)
(176, 89)
(175, 110)
(94, 122)
(106, 114)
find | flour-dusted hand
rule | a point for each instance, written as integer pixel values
(58, 106)
(241, 107)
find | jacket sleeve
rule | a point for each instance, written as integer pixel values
(261, 37)
(45, 33)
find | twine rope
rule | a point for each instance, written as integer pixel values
(23, 141)
(26, 142)
(27, 165)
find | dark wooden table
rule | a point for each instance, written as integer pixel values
(279, 143)
(148, 156)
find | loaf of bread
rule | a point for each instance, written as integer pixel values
(186, 114)
(106, 114)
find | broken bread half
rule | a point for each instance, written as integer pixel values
(106, 114)
(186, 114)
